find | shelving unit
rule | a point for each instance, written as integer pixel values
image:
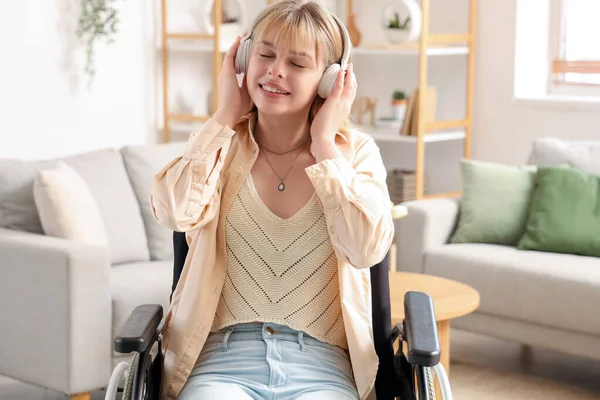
(190, 41)
(167, 39)
(432, 131)
(429, 45)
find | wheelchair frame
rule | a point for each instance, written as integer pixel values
(143, 329)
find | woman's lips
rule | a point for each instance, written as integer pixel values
(271, 94)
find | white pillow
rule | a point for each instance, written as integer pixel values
(584, 155)
(66, 206)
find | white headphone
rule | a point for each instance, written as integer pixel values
(329, 78)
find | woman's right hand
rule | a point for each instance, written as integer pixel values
(234, 100)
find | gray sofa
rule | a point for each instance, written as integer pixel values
(540, 299)
(62, 302)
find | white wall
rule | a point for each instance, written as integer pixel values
(504, 128)
(46, 111)
(46, 107)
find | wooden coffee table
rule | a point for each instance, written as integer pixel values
(451, 299)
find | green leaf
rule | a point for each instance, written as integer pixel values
(98, 22)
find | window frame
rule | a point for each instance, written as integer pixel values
(556, 62)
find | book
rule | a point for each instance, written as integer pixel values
(411, 122)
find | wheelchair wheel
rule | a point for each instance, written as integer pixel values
(127, 391)
(430, 383)
(123, 369)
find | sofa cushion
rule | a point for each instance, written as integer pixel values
(564, 216)
(104, 173)
(139, 283)
(493, 208)
(67, 208)
(142, 163)
(17, 205)
(558, 290)
(580, 154)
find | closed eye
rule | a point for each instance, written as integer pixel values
(272, 56)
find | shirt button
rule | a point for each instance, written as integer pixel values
(270, 331)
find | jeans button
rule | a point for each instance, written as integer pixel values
(270, 330)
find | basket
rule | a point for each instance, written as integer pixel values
(402, 185)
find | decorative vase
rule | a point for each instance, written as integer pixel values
(397, 35)
(230, 27)
(399, 109)
(409, 9)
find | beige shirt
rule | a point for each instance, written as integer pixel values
(193, 193)
(280, 270)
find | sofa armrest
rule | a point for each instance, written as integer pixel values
(56, 312)
(429, 224)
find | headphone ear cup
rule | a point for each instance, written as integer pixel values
(242, 57)
(328, 80)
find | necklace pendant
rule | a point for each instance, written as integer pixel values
(281, 187)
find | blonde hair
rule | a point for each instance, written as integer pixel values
(298, 22)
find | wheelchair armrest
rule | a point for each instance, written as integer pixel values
(420, 330)
(140, 330)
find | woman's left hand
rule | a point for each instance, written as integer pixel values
(336, 108)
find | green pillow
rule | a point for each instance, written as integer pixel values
(565, 213)
(494, 203)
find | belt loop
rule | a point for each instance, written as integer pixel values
(301, 340)
(226, 338)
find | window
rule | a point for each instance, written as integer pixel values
(575, 47)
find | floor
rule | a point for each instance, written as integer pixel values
(500, 355)
(466, 348)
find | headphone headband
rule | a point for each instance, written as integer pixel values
(346, 42)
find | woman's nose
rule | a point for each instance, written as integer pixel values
(276, 68)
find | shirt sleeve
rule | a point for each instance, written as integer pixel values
(357, 205)
(186, 192)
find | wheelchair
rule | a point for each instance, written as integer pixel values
(407, 374)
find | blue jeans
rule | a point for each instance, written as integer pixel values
(269, 361)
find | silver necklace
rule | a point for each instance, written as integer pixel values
(281, 186)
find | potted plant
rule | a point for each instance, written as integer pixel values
(98, 22)
(398, 29)
(402, 21)
(399, 104)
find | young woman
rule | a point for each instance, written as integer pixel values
(285, 209)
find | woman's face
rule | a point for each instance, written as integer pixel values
(282, 80)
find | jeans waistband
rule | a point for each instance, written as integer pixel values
(264, 331)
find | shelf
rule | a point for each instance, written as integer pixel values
(206, 46)
(188, 118)
(381, 135)
(185, 127)
(411, 49)
(385, 135)
(188, 36)
(196, 46)
(442, 195)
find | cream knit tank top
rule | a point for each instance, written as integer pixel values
(280, 270)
